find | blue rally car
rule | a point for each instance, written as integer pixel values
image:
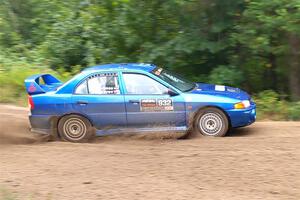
(134, 98)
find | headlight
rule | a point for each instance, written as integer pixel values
(242, 105)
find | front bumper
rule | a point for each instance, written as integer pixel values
(242, 117)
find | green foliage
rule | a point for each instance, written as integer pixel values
(253, 44)
(226, 75)
(269, 106)
(294, 111)
(12, 76)
(268, 34)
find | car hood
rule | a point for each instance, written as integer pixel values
(220, 90)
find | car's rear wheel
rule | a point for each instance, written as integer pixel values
(211, 122)
(75, 128)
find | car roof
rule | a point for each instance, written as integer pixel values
(122, 66)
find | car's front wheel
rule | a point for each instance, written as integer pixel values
(75, 128)
(211, 122)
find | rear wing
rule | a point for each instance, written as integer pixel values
(41, 83)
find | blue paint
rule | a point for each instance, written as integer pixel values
(33, 85)
(115, 113)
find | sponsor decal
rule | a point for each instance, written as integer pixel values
(158, 71)
(232, 90)
(220, 88)
(156, 105)
(32, 88)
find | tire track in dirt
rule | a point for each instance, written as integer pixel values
(14, 126)
(14, 129)
(258, 162)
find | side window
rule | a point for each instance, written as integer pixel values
(100, 84)
(141, 84)
(82, 88)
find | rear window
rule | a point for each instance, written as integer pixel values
(99, 84)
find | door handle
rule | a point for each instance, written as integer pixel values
(134, 101)
(82, 102)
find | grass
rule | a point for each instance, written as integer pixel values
(12, 90)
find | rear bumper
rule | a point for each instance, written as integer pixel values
(243, 117)
(43, 124)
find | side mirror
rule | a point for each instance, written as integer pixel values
(172, 93)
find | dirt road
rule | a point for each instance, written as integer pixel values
(258, 162)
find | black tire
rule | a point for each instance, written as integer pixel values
(211, 122)
(75, 128)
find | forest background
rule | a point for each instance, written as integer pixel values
(250, 44)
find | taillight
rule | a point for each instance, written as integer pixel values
(30, 103)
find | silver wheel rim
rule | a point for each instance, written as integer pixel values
(74, 129)
(211, 123)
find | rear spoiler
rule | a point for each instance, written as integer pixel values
(41, 83)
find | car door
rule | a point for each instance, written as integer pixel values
(98, 98)
(148, 103)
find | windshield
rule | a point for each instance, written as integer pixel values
(174, 79)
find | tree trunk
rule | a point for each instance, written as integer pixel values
(294, 71)
(270, 73)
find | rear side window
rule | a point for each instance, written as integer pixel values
(100, 84)
(82, 88)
